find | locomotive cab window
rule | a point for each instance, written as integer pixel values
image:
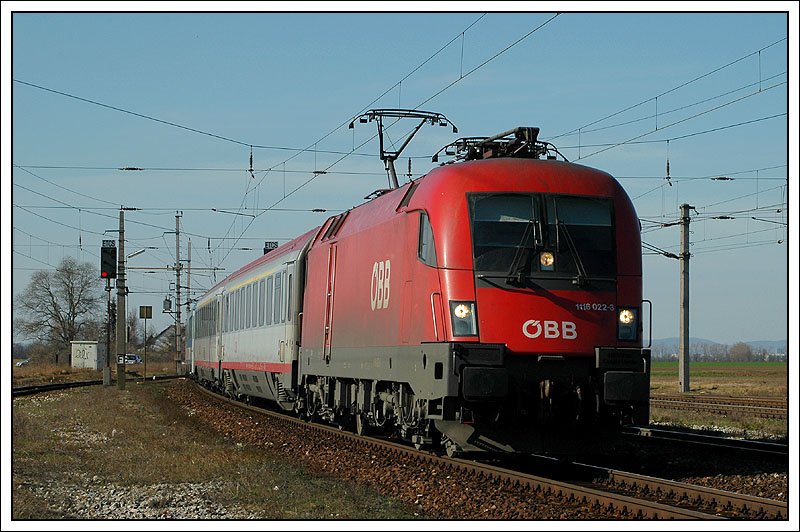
(582, 231)
(503, 225)
(542, 236)
(426, 251)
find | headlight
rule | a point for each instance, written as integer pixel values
(462, 311)
(628, 324)
(546, 260)
(463, 319)
(626, 316)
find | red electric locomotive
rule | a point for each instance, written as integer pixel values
(490, 305)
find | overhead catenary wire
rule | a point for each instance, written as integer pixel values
(346, 122)
(673, 89)
(682, 120)
(416, 107)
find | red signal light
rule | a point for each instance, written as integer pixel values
(108, 262)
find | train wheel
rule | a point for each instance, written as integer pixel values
(345, 421)
(451, 448)
(361, 425)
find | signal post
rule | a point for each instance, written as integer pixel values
(121, 344)
(108, 271)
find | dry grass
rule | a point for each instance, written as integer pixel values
(38, 373)
(745, 379)
(139, 437)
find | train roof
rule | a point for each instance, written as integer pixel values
(284, 249)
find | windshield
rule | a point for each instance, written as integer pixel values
(511, 231)
(499, 223)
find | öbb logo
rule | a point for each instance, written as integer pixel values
(550, 329)
(379, 285)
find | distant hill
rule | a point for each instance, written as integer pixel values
(676, 340)
(771, 346)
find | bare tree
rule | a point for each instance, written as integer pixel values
(58, 306)
(741, 352)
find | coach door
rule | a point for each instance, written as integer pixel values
(329, 288)
(220, 309)
(287, 343)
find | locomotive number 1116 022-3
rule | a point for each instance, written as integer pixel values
(608, 307)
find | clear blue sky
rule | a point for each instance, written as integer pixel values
(713, 84)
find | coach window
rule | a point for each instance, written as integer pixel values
(242, 301)
(289, 299)
(227, 313)
(232, 326)
(269, 300)
(214, 310)
(261, 303)
(426, 251)
(254, 307)
(283, 301)
(277, 308)
(239, 309)
(243, 308)
(250, 317)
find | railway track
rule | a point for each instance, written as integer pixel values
(780, 450)
(609, 492)
(20, 391)
(770, 408)
(612, 493)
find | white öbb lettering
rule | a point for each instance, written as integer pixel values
(379, 285)
(550, 329)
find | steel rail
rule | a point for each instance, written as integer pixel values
(719, 408)
(697, 496)
(34, 389)
(765, 402)
(658, 434)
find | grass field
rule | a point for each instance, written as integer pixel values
(96, 436)
(746, 379)
(741, 379)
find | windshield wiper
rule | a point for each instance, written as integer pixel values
(581, 278)
(516, 272)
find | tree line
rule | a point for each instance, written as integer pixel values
(713, 352)
(66, 304)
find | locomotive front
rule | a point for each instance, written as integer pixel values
(541, 270)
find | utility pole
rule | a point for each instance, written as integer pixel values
(189, 277)
(121, 322)
(178, 353)
(683, 350)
